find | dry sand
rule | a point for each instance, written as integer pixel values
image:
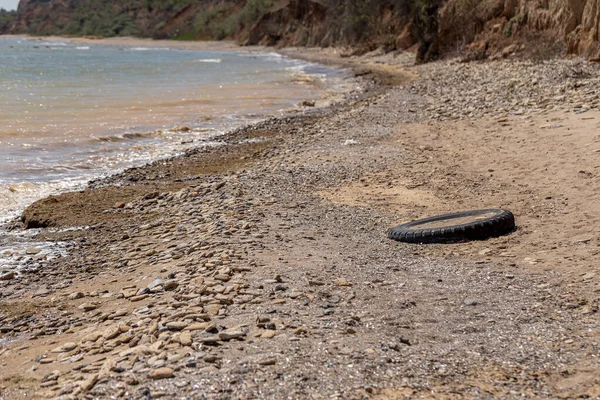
(273, 256)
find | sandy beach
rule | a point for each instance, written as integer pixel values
(262, 270)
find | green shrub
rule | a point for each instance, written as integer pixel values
(6, 17)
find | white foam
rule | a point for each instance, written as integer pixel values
(268, 56)
(210, 60)
(146, 48)
(14, 197)
(83, 47)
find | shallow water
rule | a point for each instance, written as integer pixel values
(70, 113)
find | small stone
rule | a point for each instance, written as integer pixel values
(343, 282)
(92, 337)
(171, 285)
(106, 369)
(161, 373)
(213, 309)
(269, 334)
(267, 361)
(227, 336)
(470, 302)
(75, 295)
(89, 383)
(176, 325)
(198, 326)
(211, 358)
(88, 306)
(32, 251)
(65, 348)
(138, 298)
(112, 332)
(155, 284)
(185, 339)
(152, 328)
(8, 276)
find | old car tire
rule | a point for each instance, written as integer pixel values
(484, 224)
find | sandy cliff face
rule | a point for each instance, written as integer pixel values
(567, 25)
(490, 27)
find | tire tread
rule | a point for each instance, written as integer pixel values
(501, 223)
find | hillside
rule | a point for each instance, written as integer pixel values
(6, 18)
(476, 28)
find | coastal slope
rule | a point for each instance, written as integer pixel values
(434, 28)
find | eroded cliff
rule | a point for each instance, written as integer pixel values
(477, 28)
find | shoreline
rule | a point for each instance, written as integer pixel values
(136, 42)
(261, 268)
(205, 46)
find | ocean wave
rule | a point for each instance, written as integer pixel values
(146, 48)
(58, 44)
(124, 136)
(210, 60)
(14, 197)
(82, 47)
(267, 56)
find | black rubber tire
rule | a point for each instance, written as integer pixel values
(501, 223)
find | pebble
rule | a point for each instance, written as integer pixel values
(267, 361)
(112, 332)
(171, 285)
(65, 348)
(185, 338)
(343, 282)
(76, 295)
(213, 309)
(161, 373)
(138, 298)
(88, 306)
(470, 302)
(268, 334)
(198, 326)
(227, 336)
(8, 276)
(89, 383)
(176, 325)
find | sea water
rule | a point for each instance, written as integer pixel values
(72, 112)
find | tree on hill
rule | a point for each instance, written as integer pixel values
(6, 18)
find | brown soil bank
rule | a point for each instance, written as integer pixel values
(434, 27)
